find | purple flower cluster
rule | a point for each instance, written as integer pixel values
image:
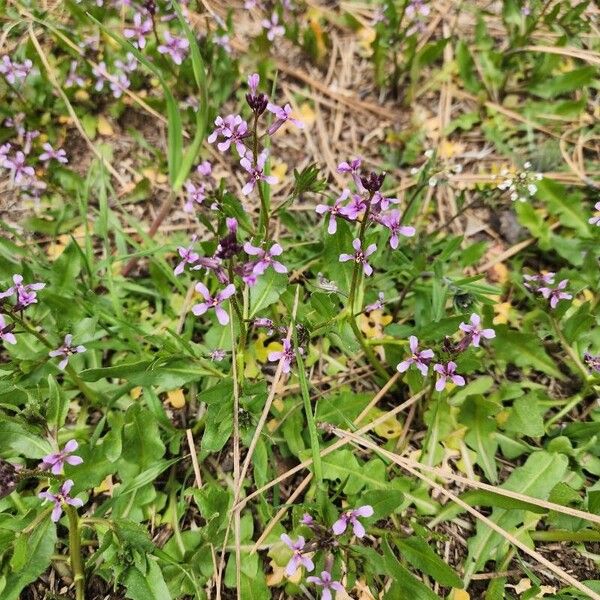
(55, 463)
(421, 359)
(118, 81)
(367, 202)
(14, 72)
(543, 284)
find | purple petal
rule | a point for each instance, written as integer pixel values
(74, 460)
(340, 526)
(56, 512)
(346, 257)
(292, 566)
(71, 446)
(413, 342)
(364, 511)
(404, 366)
(358, 529)
(202, 289)
(422, 368)
(307, 563)
(200, 308)
(458, 380)
(222, 315)
(440, 384)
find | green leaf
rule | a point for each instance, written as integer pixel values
(567, 206)
(146, 586)
(516, 347)
(384, 502)
(526, 418)
(418, 552)
(266, 291)
(477, 414)
(406, 585)
(553, 86)
(40, 547)
(58, 406)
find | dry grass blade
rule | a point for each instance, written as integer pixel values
(562, 574)
(72, 114)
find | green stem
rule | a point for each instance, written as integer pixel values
(310, 418)
(369, 353)
(560, 535)
(75, 553)
(264, 207)
(569, 350)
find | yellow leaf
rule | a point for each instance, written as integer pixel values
(448, 149)
(364, 593)
(319, 38)
(502, 417)
(457, 594)
(278, 575)
(366, 37)
(135, 392)
(372, 324)
(279, 169)
(82, 96)
(390, 429)
(104, 127)
(501, 311)
(176, 398)
(306, 114)
(261, 351)
(105, 487)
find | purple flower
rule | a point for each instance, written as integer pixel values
(195, 195)
(118, 84)
(383, 201)
(61, 498)
(256, 172)
(419, 358)
(474, 333)
(14, 71)
(307, 519)
(298, 557)
(213, 302)
(50, 154)
(265, 259)
(4, 150)
(188, 257)
(26, 294)
(334, 210)
(286, 355)
(66, 351)
(593, 362)
(555, 295)
(175, 47)
(6, 331)
(534, 282)
(327, 583)
(73, 78)
(140, 29)
(56, 462)
(417, 7)
(351, 516)
(272, 27)
(282, 115)
(223, 41)
(352, 167)
(130, 66)
(377, 305)
(446, 372)
(204, 168)
(392, 222)
(233, 129)
(266, 323)
(253, 81)
(101, 74)
(18, 169)
(217, 355)
(355, 208)
(595, 220)
(360, 256)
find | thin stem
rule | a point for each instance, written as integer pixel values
(369, 353)
(560, 535)
(75, 553)
(264, 207)
(310, 417)
(573, 355)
